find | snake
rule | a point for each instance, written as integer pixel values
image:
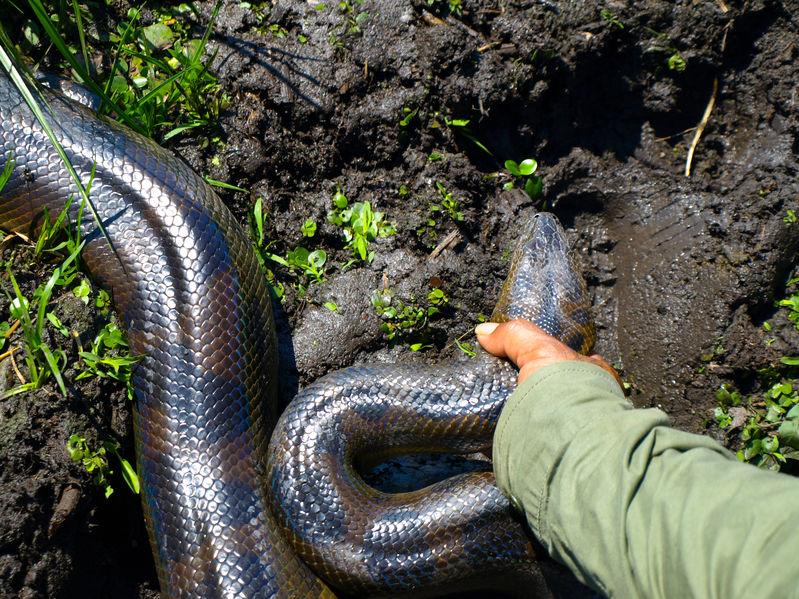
(227, 513)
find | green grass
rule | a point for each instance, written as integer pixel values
(360, 226)
(160, 82)
(408, 321)
(95, 461)
(306, 265)
(768, 421)
(26, 332)
(448, 206)
(159, 78)
(41, 360)
(525, 172)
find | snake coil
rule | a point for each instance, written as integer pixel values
(460, 530)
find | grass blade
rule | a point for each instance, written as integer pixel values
(18, 80)
(86, 79)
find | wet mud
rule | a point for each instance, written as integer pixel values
(683, 269)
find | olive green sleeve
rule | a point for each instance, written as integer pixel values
(635, 508)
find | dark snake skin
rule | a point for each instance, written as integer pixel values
(456, 532)
(191, 295)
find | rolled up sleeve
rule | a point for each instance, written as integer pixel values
(635, 508)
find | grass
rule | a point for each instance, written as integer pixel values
(407, 322)
(360, 226)
(26, 332)
(95, 461)
(159, 79)
(41, 360)
(449, 206)
(107, 356)
(306, 265)
(24, 89)
(30, 316)
(525, 172)
(767, 422)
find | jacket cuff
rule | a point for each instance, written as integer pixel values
(538, 423)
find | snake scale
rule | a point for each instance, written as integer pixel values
(189, 292)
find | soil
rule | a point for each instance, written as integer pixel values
(683, 269)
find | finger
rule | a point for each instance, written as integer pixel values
(519, 340)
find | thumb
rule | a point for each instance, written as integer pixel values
(521, 341)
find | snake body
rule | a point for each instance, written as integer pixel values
(189, 291)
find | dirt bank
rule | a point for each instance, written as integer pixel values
(684, 269)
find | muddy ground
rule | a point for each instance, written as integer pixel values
(683, 269)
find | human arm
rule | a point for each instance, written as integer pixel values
(631, 506)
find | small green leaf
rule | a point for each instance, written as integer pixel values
(770, 444)
(129, 474)
(299, 257)
(102, 299)
(409, 114)
(513, 168)
(83, 291)
(317, 258)
(331, 306)
(76, 447)
(466, 348)
(790, 361)
(360, 245)
(340, 200)
(723, 419)
(774, 413)
(19, 307)
(158, 35)
(278, 259)
(676, 62)
(309, 228)
(58, 324)
(527, 167)
(533, 187)
(789, 432)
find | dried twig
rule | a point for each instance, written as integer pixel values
(668, 137)
(487, 46)
(446, 242)
(701, 127)
(14, 365)
(11, 330)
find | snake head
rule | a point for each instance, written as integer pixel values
(545, 285)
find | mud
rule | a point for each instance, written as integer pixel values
(684, 269)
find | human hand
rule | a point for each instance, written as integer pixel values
(530, 348)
